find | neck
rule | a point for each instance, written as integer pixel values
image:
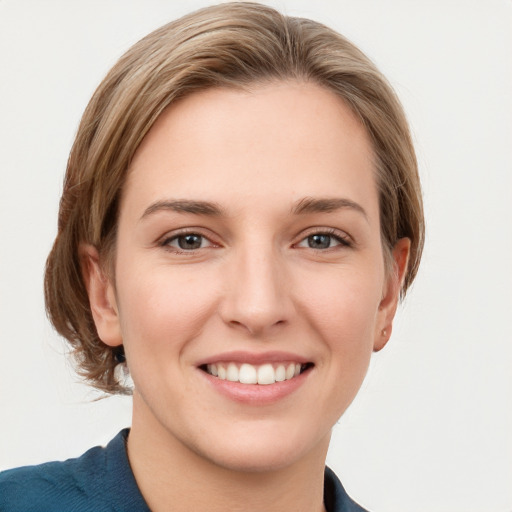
(170, 473)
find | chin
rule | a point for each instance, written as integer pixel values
(262, 453)
(254, 462)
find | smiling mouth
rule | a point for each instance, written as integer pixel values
(263, 374)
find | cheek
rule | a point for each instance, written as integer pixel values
(162, 307)
(343, 307)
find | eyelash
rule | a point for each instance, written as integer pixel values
(342, 240)
(165, 243)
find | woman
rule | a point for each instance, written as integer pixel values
(241, 213)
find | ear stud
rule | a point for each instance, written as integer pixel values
(384, 333)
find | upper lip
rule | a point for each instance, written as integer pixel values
(239, 356)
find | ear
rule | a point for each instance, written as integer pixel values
(102, 297)
(391, 293)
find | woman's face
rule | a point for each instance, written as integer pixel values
(249, 250)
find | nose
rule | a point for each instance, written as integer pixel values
(257, 297)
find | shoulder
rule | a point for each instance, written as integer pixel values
(52, 485)
(89, 482)
(336, 498)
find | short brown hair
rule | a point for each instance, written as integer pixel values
(228, 45)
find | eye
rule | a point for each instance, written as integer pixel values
(187, 242)
(321, 241)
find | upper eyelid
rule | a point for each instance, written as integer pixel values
(214, 240)
(165, 243)
(334, 232)
(341, 242)
(173, 234)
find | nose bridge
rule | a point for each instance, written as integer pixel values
(257, 298)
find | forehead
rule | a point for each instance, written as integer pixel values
(280, 141)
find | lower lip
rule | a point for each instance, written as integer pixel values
(256, 394)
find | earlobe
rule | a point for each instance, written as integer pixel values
(102, 298)
(391, 293)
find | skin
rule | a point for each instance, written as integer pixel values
(256, 283)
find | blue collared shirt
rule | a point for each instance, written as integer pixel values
(102, 480)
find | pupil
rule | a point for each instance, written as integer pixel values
(319, 241)
(190, 241)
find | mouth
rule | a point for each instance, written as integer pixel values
(262, 374)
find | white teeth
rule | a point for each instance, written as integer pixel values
(266, 374)
(232, 372)
(280, 373)
(249, 374)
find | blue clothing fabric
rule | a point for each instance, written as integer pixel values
(101, 480)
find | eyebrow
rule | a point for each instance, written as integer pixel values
(326, 205)
(301, 207)
(184, 206)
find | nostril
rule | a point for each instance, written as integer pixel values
(256, 326)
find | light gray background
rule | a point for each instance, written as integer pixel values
(431, 430)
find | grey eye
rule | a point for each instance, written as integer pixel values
(189, 241)
(186, 242)
(319, 241)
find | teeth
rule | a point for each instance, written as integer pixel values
(232, 372)
(266, 374)
(250, 374)
(280, 373)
